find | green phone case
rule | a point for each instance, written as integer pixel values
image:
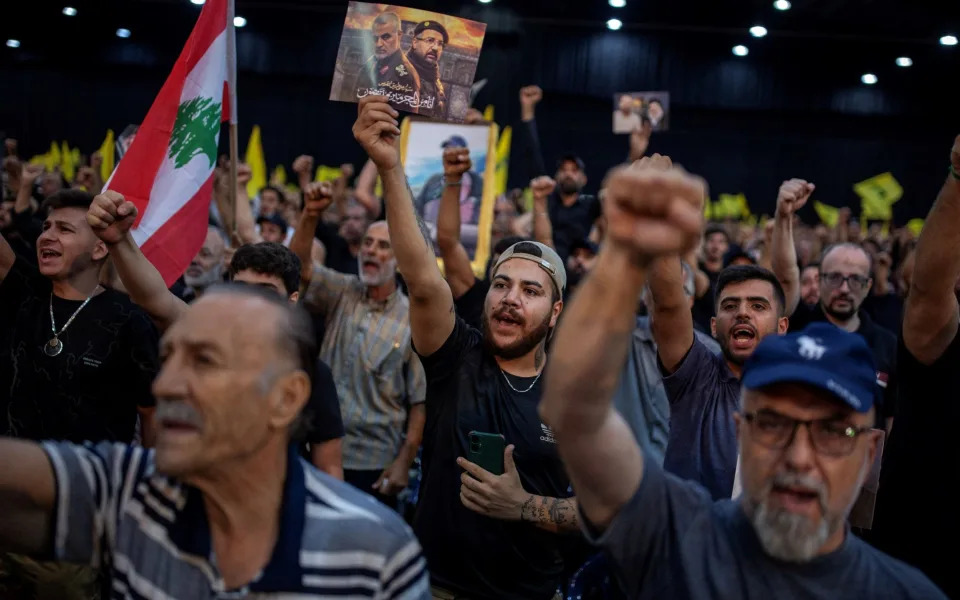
(486, 450)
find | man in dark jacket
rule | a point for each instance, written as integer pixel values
(429, 40)
(388, 72)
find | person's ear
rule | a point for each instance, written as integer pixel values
(295, 297)
(100, 251)
(289, 396)
(783, 325)
(557, 309)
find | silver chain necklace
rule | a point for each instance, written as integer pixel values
(507, 379)
(55, 346)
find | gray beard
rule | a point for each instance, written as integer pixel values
(205, 280)
(789, 537)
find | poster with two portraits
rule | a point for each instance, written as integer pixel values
(424, 64)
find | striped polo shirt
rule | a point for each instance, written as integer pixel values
(378, 376)
(116, 512)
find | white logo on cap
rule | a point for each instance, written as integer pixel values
(810, 349)
(844, 393)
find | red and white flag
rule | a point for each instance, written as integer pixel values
(168, 170)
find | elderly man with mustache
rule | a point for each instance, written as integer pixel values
(803, 430)
(224, 507)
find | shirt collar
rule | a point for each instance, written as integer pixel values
(191, 531)
(383, 305)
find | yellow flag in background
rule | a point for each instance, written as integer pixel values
(731, 206)
(107, 151)
(258, 163)
(829, 215)
(69, 161)
(503, 161)
(53, 157)
(325, 173)
(488, 113)
(915, 226)
(708, 209)
(877, 196)
(279, 176)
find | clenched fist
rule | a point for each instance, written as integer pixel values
(794, 193)
(542, 186)
(378, 131)
(317, 197)
(244, 174)
(530, 95)
(456, 162)
(653, 209)
(111, 216)
(303, 165)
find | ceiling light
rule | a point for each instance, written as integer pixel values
(13, 43)
(485, 1)
(123, 33)
(614, 24)
(239, 21)
(198, 2)
(904, 61)
(782, 5)
(741, 50)
(869, 78)
(69, 11)
(949, 40)
(758, 31)
(618, 3)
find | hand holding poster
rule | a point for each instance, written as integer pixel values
(632, 109)
(422, 61)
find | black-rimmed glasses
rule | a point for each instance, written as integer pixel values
(831, 437)
(835, 280)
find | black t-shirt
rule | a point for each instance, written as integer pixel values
(91, 390)
(323, 407)
(704, 307)
(886, 310)
(466, 552)
(470, 305)
(338, 251)
(883, 346)
(916, 518)
(572, 223)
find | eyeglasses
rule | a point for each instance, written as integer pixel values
(831, 437)
(431, 41)
(835, 280)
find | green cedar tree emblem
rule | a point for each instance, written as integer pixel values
(195, 131)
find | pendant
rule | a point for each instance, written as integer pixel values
(53, 347)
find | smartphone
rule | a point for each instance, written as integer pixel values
(486, 450)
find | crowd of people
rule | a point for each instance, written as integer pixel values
(628, 402)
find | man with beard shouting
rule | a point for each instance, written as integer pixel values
(367, 345)
(487, 535)
(803, 427)
(845, 282)
(429, 40)
(703, 388)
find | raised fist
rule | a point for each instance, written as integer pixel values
(456, 162)
(378, 131)
(530, 95)
(542, 186)
(346, 171)
(473, 116)
(96, 159)
(244, 173)
(10, 145)
(884, 261)
(317, 197)
(30, 174)
(843, 216)
(653, 209)
(794, 193)
(303, 165)
(111, 216)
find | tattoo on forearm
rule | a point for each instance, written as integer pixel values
(558, 514)
(423, 226)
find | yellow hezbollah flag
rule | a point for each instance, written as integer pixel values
(829, 215)
(325, 173)
(52, 159)
(877, 196)
(488, 113)
(257, 163)
(279, 176)
(107, 155)
(503, 161)
(731, 206)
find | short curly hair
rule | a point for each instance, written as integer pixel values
(268, 258)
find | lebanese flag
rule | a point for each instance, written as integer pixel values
(168, 170)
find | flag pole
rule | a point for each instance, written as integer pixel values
(232, 85)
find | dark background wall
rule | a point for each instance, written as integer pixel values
(793, 107)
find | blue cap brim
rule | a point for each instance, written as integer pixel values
(763, 376)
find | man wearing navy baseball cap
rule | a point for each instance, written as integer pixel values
(803, 430)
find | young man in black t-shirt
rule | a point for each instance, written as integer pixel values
(485, 535)
(917, 518)
(76, 359)
(266, 264)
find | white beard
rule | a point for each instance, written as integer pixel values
(386, 272)
(206, 279)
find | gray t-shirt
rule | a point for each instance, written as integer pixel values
(671, 541)
(704, 393)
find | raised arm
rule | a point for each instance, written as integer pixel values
(111, 217)
(431, 302)
(365, 189)
(246, 227)
(930, 314)
(542, 187)
(456, 262)
(530, 96)
(652, 211)
(27, 496)
(640, 141)
(317, 197)
(793, 194)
